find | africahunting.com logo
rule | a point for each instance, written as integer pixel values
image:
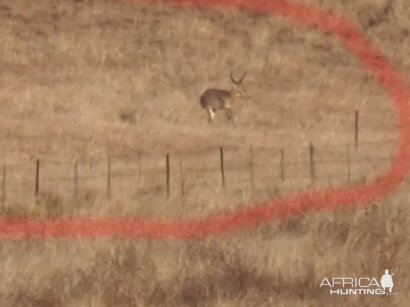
(360, 285)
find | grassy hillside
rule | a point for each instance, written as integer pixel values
(87, 79)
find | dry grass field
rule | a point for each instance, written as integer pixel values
(86, 79)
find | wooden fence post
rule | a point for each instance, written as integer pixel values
(109, 178)
(282, 164)
(221, 152)
(37, 178)
(75, 180)
(168, 174)
(312, 162)
(3, 185)
(252, 175)
(356, 129)
(181, 178)
(139, 164)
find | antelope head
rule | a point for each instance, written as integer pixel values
(238, 91)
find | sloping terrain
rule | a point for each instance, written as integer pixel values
(91, 79)
(94, 77)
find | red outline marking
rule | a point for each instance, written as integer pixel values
(253, 215)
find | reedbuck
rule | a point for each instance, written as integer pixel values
(213, 99)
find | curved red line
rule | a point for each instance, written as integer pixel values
(254, 215)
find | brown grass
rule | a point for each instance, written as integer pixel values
(83, 79)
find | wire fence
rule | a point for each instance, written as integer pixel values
(224, 169)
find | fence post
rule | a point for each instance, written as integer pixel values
(75, 180)
(37, 178)
(356, 129)
(3, 185)
(312, 162)
(349, 174)
(181, 178)
(139, 164)
(168, 174)
(282, 164)
(109, 178)
(252, 175)
(221, 151)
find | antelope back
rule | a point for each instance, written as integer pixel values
(216, 99)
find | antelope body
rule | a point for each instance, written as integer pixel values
(214, 99)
